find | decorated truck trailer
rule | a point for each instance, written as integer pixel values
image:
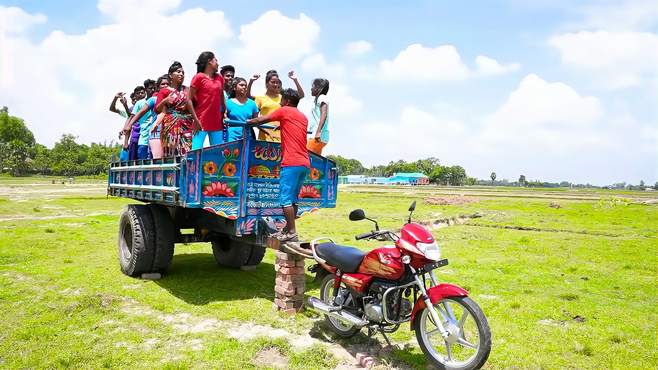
(225, 194)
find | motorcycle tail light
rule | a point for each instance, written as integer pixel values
(430, 250)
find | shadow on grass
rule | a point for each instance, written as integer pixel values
(197, 279)
(399, 355)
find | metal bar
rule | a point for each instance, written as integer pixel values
(164, 166)
(145, 187)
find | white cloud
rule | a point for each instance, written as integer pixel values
(274, 40)
(614, 59)
(125, 10)
(490, 67)
(544, 116)
(317, 64)
(416, 133)
(15, 20)
(621, 16)
(442, 63)
(417, 62)
(357, 48)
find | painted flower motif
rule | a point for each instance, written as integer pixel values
(210, 168)
(229, 169)
(227, 152)
(315, 174)
(236, 152)
(218, 189)
(309, 191)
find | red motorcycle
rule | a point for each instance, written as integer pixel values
(376, 290)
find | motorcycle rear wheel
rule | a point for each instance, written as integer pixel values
(469, 344)
(327, 296)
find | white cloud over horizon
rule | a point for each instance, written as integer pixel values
(442, 63)
(614, 59)
(358, 48)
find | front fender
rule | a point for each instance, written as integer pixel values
(436, 294)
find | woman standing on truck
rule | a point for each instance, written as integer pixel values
(207, 95)
(180, 121)
(239, 107)
(318, 127)
(271, 101)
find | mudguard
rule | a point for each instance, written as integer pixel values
(436, 294)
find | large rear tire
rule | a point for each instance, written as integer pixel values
(230, 253)
(256, 256)
(136, 240)
(464, 319)
(165, 235)
(327, 296)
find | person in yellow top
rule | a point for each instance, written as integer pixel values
(271, 101)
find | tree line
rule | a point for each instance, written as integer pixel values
(21, 155)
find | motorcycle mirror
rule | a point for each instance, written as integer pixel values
(412, 207)
(357, 215)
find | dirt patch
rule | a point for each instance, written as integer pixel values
(270, 357)
(449, 221)
(349, 357)
(450, 201)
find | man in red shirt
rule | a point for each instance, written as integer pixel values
(207, 94)
(295, 162)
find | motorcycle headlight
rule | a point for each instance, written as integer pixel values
(430, 250)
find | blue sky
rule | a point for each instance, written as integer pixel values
(548, 89)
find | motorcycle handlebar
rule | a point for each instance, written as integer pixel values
(364, 235)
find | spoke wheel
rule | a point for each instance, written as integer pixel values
(469, 342)
(327, 296)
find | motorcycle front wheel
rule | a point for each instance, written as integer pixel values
(469, 343)
(327, 296)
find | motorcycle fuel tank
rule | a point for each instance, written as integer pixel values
(384, 262)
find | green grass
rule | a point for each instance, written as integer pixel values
(579, 292)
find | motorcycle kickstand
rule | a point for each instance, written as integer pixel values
(386, 337)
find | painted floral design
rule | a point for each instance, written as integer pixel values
(218, 189)
(315, 174)
(210, 168)
(309, 191)
(231, 154)
(229, 169)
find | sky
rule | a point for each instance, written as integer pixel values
(554, 90)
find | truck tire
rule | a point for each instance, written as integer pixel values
(230, 253)
(136, 240)
(165, 235)
(256, 256)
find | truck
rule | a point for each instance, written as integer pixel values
(226, 194)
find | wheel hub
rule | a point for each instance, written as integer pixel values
(453, 333)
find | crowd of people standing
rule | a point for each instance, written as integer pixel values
(168, 118)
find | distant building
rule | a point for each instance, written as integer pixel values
(409, 178)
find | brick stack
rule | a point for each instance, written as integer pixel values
(290, 282)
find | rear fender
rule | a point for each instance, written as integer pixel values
(436, 294)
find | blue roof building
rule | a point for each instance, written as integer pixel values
(409, 178)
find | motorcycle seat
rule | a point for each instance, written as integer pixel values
(346, 259)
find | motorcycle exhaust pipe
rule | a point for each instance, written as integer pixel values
(341, 315)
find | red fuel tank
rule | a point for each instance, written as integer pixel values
(384, 262)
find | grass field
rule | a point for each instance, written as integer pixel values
(567, 286)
